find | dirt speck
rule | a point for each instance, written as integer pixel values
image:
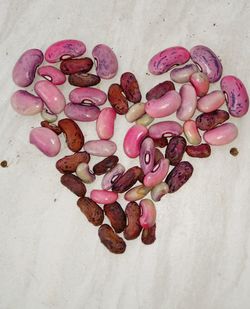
(234, 151)
(55, 200)
(4, 163)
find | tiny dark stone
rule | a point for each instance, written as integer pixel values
(4, 163)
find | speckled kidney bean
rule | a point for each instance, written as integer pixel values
(91, 210)
(73, 133)
(200, 82)
(165, 129)
(158, 173)
(167, 58)
(182, 75)
(148, 213)
(148, 235)
(51, 126)
(105, 123)
(147, 155)
(116, 216)
(191, 132)
(133, 139)
(208, 121)
(25, 103)
(236, 95)
(117, 100)
(133, 228)
(179, 176)
(111, 240)
(211, 101)
(130, 87)
(93, 96)
(71, 66)
(84, 79)
(159, 90)
(64, 49)
(200, 151)
(82, 112)
(74, 184)
(106, 61)
(68, 164)
(112, 176)
(24, 70)
(221, 135)
(127, 180)
(175, 149)
(105, 165)
(52, 74)
(100, 148)
(136, 193)
(209, 63)
(188, 102)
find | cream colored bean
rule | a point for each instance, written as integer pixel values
(159, 191)
(191, 132)
(136, 193)
(135, 112)
(145, 120)
(82, 171)
(46, 115)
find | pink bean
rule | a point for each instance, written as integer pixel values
(88, 95)
(51, 96)
(148, 216)
(103, 196)
(158, 173)
(25, 103)
(211, 101)
(182, 75)
(100, 148)
(133, 139)
(165, 129)
(221, 135)
(147, 155)
(200, 82)
(105, 123)
(236, 95)
(191, 132)
(46, 141)
(82, 112)
(164, 106)
(110, 177)
(167, 58)
(52, 74)
(188, 102)
(64, 49)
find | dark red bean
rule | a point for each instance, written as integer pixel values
(200, 151)
(175, 149)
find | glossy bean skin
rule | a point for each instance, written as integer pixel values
(136, 193)
(148, 235)
(52, 74)
(159, 191)
(158, 173)
(72, 66)
(133, 139)
(64, 49)
(191, 132)
(83, 79)
(88, 95)
(148, 216)
(130, 87)
(211, 101)
(105, 123)
(117, 100)
(167, 58)
(50, 95)
(25, 103)
(179, 176)
(111, 240)
(103, 196)
(105, 165)
(133, 228)
(200, 151)
(45, 140)
(182, 75)
(116, 216)
(135, 112)
(112, 176)
(207, 61)
(74, 184)
(127, 180)
(175, 149)
(51, 126)
(165, 129)
(236, 95)
(208, 121)
(164, 106)
(73, 134)
(83, 172)
(91, 210)
(200, 82)
(106, 61)
(100, 148)
(68, 164)
(82, 112)
(24, 70)
(159, 90)
(188, 102)
(221, 135)
(147, 155)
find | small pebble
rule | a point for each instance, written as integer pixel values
(234, 151)
(4, 163)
